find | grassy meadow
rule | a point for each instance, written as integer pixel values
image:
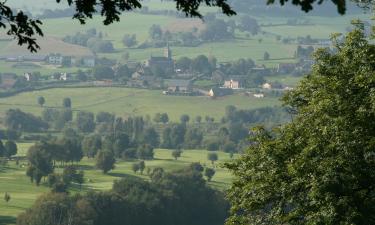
(23, 193)
(131, 102)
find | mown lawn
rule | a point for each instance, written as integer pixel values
(23, 193)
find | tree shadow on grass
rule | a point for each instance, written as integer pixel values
(121, 175)
(86, 167)
(4, 220)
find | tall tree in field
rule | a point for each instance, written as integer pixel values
(10, 148)
(41, 101)
(319, 168)
(105, 161)
(40, 162)
(67, 103)
(213, 157)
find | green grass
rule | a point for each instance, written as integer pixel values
(23, 193)
(288, 80)
(129, 102)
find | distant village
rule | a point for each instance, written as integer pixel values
(179, 82)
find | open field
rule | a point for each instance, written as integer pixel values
(23, 193)
(130, 102)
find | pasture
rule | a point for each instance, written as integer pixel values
(23, 193)
(133, 102)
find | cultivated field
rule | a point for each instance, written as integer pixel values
(23, 193)
(131, 102)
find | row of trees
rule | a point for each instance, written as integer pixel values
(181, 197)
(91, 39)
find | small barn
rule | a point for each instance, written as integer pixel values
(179, 85)
(219, 92)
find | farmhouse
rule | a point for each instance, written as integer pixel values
(55, 59)
(266, 86)
(179, 85)
(232, 84)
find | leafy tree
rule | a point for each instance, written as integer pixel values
(105, 161)
(176, 154)
(142, 166)
(249, 24)
(40, 162)
(105, 117)
(123, 71)
(129, 40)
(71, 148)
(266, 56)
(2, 149)
(120, 144)
(67, 103)
(151, 137)
(85, 121)
(99, 45)
(200, 64)
(17, 120)
(193, 138)
(167, 138)
(103, 72)
(41, 101)
(145, 152)
(155, 32)
(184, 118)
(319, 168)
(135, 167)
(81, 75)
(58, 208)
(212, 156)
(198, 119)
(157, 118)
(229, 147)
(164, 118)
(209, 173)
(213, 144)
(216, 30)
(196, 166)
(184, 63)
(10, 148)
(6, 197)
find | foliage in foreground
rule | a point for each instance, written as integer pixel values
(318, 169)
(180, 198)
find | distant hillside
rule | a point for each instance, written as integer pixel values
(48, 45)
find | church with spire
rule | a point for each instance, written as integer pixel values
(166, 62)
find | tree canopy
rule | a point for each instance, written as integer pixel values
(319, 168)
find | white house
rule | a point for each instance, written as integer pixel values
(27, 76)
(266, 86)
(56, 59)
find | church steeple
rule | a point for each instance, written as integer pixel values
(168, 52)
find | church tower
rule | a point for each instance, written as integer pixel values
(168, 52)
